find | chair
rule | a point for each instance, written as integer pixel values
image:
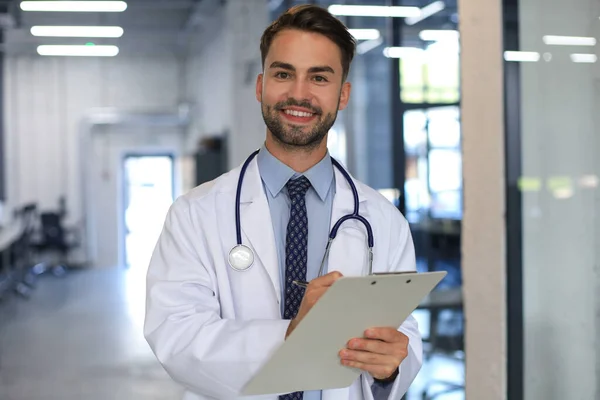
(53, 239)
(20, 257)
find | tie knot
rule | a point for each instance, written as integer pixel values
(298, 187)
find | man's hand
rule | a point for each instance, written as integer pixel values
(380, 353)
(313, 292)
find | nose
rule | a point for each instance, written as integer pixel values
(300, 90)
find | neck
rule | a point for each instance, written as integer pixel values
(299, 159)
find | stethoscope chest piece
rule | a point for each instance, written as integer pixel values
(241, 257)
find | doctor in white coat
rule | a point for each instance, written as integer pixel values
(212, 326)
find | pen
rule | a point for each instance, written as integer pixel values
(302, 284)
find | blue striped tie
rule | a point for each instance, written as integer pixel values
(295, 254)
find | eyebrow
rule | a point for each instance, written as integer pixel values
(311, 70)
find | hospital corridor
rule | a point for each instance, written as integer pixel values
(299, 200)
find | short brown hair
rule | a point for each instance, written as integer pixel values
(315, 19)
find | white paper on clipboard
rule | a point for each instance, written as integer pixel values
(309, 360)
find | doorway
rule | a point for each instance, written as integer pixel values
(147, 195)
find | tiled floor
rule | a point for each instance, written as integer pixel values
(80, 337)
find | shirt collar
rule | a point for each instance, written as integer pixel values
(276, 174)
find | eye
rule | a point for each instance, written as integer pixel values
(282, 75)
(320, 78)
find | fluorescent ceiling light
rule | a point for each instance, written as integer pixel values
(401, 52)
(81, 51)
(74, 6)
(368, 45)
(435, 35)
(374, 11)
(427, 12)
(569, 41)
(365, 34)
(584, 58)
(521, 56)
(78, 31)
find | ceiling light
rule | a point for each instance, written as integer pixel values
(78, 51)
(584, 58)
(374, 11)
(401, 52)
(427, 12)
(521, 56)
(78, 31)
(569, 41)
(74, 6)
(368, 45)
(435, 35)
(365, 34)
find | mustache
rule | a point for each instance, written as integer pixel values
(293, 102)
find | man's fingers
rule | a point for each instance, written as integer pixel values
(314, 295)
(367, 357)
(377, 371)
(389, 335)
(326, 280)
(373, 346)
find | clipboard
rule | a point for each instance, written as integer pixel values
(309, 358)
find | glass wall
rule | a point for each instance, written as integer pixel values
(553, 137)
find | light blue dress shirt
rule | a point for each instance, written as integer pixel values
(319, 205)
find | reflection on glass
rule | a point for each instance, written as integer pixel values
(433, 163)
(431, 75)
(444, 170)
(444, 127)
(415, 132)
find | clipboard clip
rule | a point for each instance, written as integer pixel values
(304, 284)
(393, 273)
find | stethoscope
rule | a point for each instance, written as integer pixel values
(241, 257)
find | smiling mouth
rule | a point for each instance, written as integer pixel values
(298, 116)
(296, 113)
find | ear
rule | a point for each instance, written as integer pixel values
(259, 87)
(345, 95)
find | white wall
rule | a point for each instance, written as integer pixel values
(222, 73)
(209, 80)
(46, 100)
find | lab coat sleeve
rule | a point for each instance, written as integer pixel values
(209, 355)
(402, 258)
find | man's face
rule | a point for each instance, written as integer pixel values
(301, 89)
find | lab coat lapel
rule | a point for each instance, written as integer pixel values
(255, 217)
(348, 252)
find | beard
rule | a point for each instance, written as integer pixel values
(294, 136)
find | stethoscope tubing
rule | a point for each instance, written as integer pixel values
(355, 214)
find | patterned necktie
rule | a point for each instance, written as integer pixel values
(295, 254)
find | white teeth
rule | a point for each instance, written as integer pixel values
(298, 113)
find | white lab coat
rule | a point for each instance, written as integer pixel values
(212, 327)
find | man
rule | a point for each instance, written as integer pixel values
(212, 326)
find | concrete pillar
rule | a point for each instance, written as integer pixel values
(483, 248)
